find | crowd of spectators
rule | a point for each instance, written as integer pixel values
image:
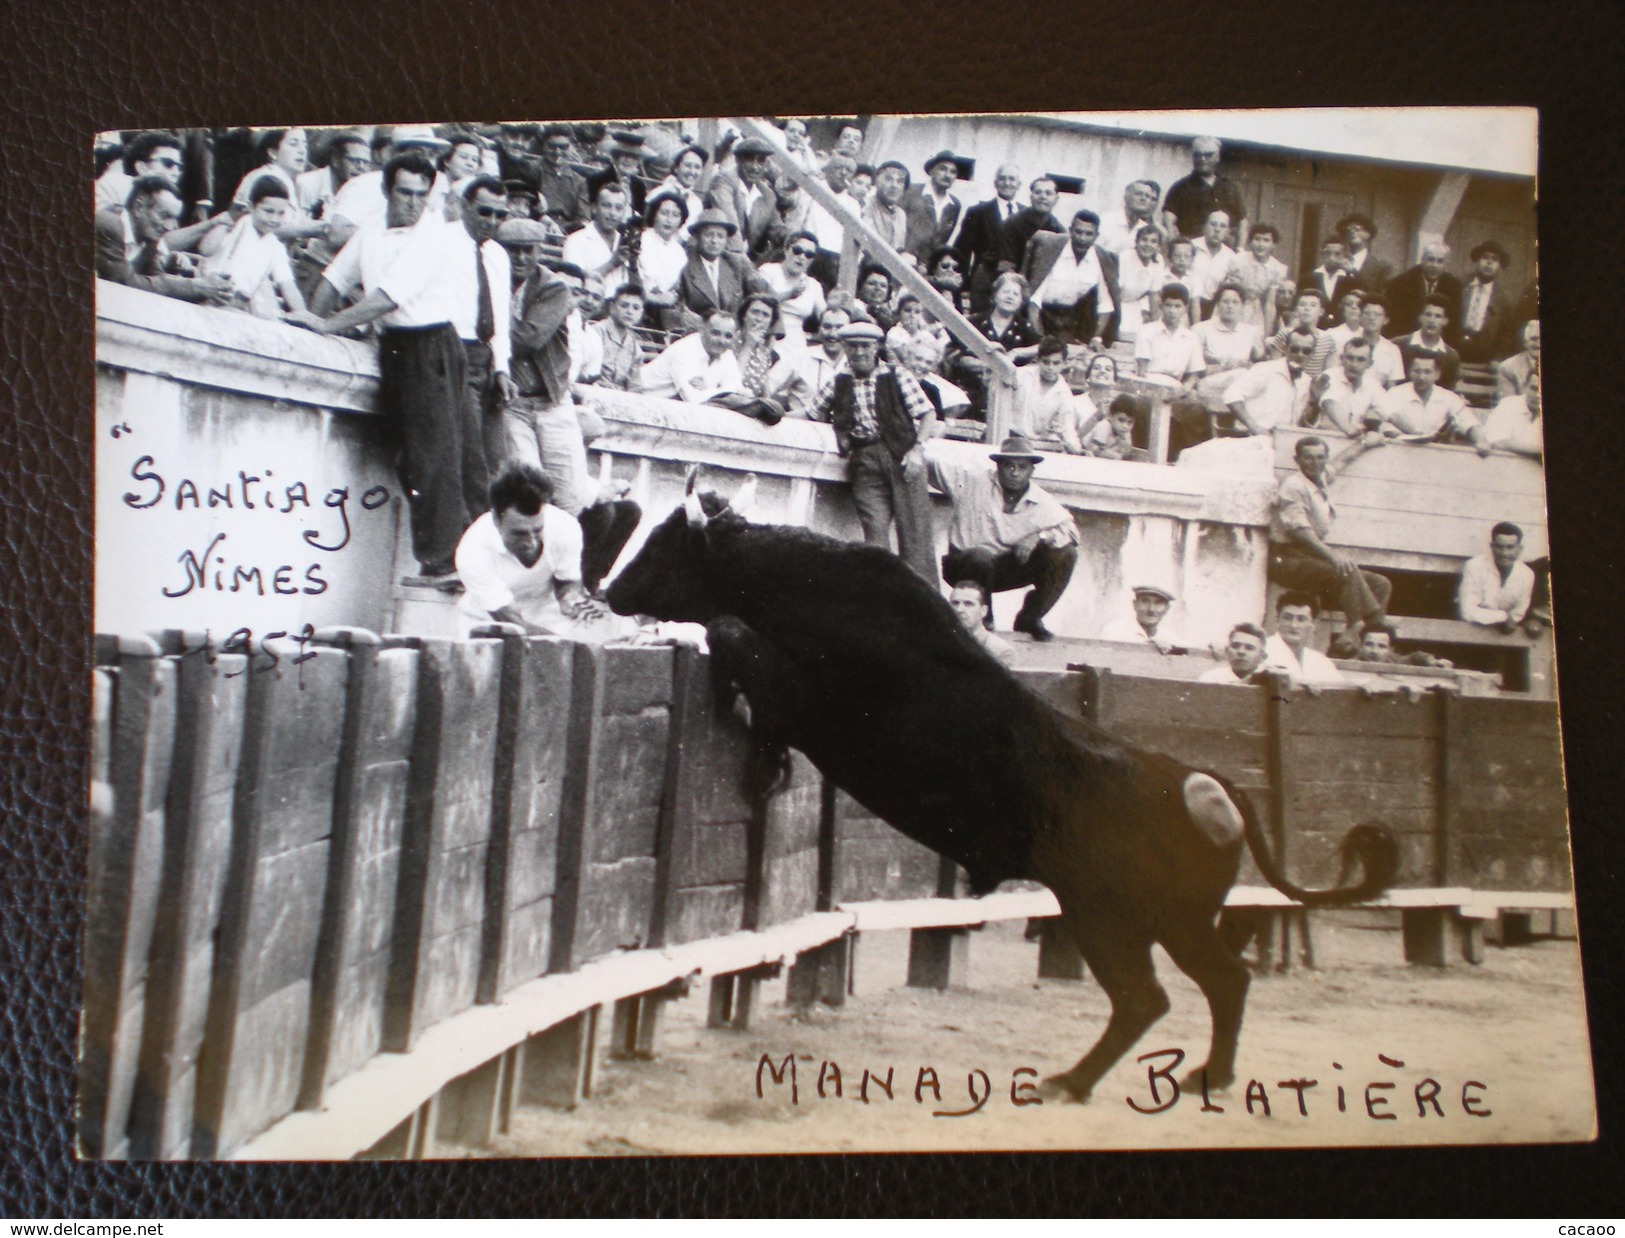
(507, 270)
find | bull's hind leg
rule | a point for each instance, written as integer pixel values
(1120, 959)
(1198, 950)
(742, 661)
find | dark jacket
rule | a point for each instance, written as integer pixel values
(143, 270)
(1404, 297)
(541, 350)
(697, 295)
(1043, 251)
(897, 429)
(1014, 235)
(926, 231)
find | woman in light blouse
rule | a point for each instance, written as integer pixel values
(801, 297)
(1228, 344)
(686, 170)
(661, 258)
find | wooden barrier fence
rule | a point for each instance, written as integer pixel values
(356, 893)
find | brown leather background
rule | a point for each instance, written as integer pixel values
(76, 67)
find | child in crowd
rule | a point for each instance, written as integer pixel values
(1113, 439)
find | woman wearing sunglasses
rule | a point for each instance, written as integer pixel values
(800, 296)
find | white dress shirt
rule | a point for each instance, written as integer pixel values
(1314, 668)
(1411, 414)
(660, 262)
(493, 578)
(1270, 394)
(1073, 278)
(684, 372)
(402, 264)
(587, 249)
(462, 280)
(1485, 598)
(803, 376)
(1209, 269)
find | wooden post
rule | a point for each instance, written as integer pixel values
(1157, 433)
(471, 1105)
(556, 1066)
(1058, 955)
(576, 804)
(939, 958)
(1447, 770)
(211, 696)
(1426, 934)
(498, 869)
(678, 791)
(121, 899)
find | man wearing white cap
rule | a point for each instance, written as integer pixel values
(1148, 625)
(882, 418)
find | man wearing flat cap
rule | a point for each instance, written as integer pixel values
(745, 199)
(1484, 326)
(714, 278)
(882, 418)
(1149, 624)
(1007, 533)
(625, 169)
(563, 189)
(933, 209)
(1371, 273)
(523, 201)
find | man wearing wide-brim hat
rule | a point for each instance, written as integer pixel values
(746, 199)
(933, 209)
(882, 418)
(1006, 532)
(1484, 326)
(713, 278)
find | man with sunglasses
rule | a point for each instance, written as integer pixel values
(1275, 392)
(148, 154)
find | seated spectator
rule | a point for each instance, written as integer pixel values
(129, 246)
(1387, 362)
(1428, 339)
(1228, 344)
(1377, 645)
(1349, 398)
(831, 235)
(1358, 231)
(520, 563)
(253, 259)
(702, 368)
(1046, 410)
(1008, 326)
(622, 365)
(1243, 656)
(523, 201)
(756, 347)
(1259, 273)
(148, 154)
(970, 601)
(744, 198)
(1422, 409)
(662, 258)
(913, 327)
(1496, 590)
(284, 154)
(796, 146)
(1075, 289)
(921, 358)
(1007, 533)
(1331, 279)
(1514, 375)
(1113, 438)
(586, 345)
(1308, 306)
(875, 295)
(1288, 652)
(805, 374)
(1120, 230)
(943, 274)
(1170, 349)
(1406, 292)
(462, 162)
(563, 189)
(792, 217)
(884, 210)
(1514, 424)
(861, 184)
(1211, 263)
(1273, 393)
(598, 249)
(1181, 271)
(1301, 556)
(800, 295)
(714, 280)
(1349, 304)
(1484, 323)
(683, 184)
(348, 156)
(1148, 625)
(1141, 276)
(625, 169)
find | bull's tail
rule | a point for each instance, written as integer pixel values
(1369, 845)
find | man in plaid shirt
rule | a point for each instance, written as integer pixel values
(881, 418)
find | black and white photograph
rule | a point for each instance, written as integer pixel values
(817, 634)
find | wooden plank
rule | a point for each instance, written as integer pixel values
(121, 900)
(1354, 715)
(791, 847)
(211, 694)
(576, 804)
(251, 1061)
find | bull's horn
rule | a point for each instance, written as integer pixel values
(693, 478)
(692, 509)
(746, 498)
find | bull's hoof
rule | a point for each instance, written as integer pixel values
(1216, 1083)
(1058, 1089)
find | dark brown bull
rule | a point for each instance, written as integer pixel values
(845, 654)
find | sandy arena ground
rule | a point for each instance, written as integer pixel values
(1516, 1025)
